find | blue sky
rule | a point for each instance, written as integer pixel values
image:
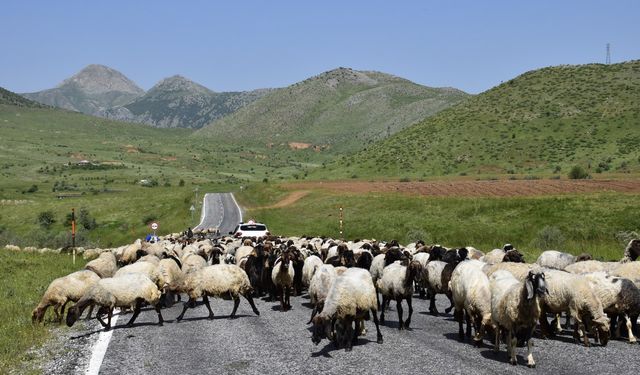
(241, 45)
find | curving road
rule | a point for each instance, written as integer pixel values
(219, 210)
(280, 342)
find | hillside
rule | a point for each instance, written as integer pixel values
(341, 110)
(89, 91)
(179, 102)
(544, 122)
(9, 98)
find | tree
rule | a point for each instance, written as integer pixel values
(578, 173)
(45, 219)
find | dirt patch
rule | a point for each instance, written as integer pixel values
(288, 200)
(497, 188)
(299, 145)
(169, 158)
(131, 149)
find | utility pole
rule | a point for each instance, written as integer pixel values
(73, 233)
(608, 60)
(341, 223)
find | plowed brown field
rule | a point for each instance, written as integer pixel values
(493, 188)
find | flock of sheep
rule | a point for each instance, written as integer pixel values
(497, 294)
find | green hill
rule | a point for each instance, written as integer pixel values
(340, 110)
(544, 122)
(9, 98)
(179, 102)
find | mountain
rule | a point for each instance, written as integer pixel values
(10, 98)
(545, 121)
(93, 89)
(342, 109)
(179, 102)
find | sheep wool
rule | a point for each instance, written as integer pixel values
(62, 290)
(311, 265)
(555, 259)
(104, 265)
(471, 295)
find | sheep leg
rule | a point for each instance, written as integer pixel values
(545, 328)
(64, 305)
(432, 305)
(512, 343)
(410, 304)
(377, 323)
(348, 334)
(384, 301)
(558, 325)
(90, 312)
(530, 362)
(253, 305)
(632, 338)
(468, 320)
(55, 310)
(287, 297)
(399, 308)
(185, 307)
(160, 319)
(458, 316)
(136, 312)
(236, 303)
(109, 315)
(448, 309)
(205, 299)
(496, 345)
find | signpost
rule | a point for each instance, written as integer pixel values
(154, 227)
(340, 222)
(192, 209)
(73, 234)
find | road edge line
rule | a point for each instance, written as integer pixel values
(237, 205)
(100, 349)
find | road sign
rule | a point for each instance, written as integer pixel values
(154, 226)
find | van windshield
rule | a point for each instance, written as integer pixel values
(252, 227)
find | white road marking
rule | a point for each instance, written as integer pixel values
(100, 348)
(237, 205)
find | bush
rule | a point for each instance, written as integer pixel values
(32, 189)
(45, 219)
(578, 173)
(549, 238)
(181, 183)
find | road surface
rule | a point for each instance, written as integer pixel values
(280, 342)
(219, 210)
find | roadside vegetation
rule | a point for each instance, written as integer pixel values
(593, 223)
(23, 280)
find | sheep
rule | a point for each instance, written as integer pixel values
(568, 292)
(632, 251)
(311, 264)
(515, 307)
(104, 266)
(494, 256)
(148, 269)
(168, 273)
(619, 296)
(129, 291)
(129, 254)
(507, 254)
(153, 259)
(319, 287)
(218, 280)
(62, 290)
(351, 298)
(364, 259)
(244, 251)
(438, 275)
(282, 277)
(628, 270)
(518, 270)
(590, 266)
(474, 253)
(298, 264)
(192, 263)
(397, 283)
(559, 260)
(471, 297)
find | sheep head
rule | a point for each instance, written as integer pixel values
(37, 315)
(601, 325)
(322, 329)
(513, 256)
(72, 315)
(535, 284)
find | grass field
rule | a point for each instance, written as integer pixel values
(594, 223)
(23, 280)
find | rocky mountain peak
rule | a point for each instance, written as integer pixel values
(178, 83)
(99, 79)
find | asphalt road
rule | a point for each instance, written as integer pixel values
(280, 342)
(219, 210)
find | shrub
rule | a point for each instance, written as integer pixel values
(181, 183)
(549, 238)
(45, 219)
(32, 189)
(578, 173)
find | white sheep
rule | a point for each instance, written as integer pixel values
(628, 270)
(219, 280)
(192, 262)
(319, 287)
(282, 276)
(471, 296)
(311, 265)
(62, 290)
(147, 269)
(619, 296)
(169, 274)
(572, 293)
(559, 260)
(515, 307)
(590, 266)
(352, 298)
(518, 270)
(130, 291)
(494, 256)
(396, 284)
(105, 265)
(130, 253)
